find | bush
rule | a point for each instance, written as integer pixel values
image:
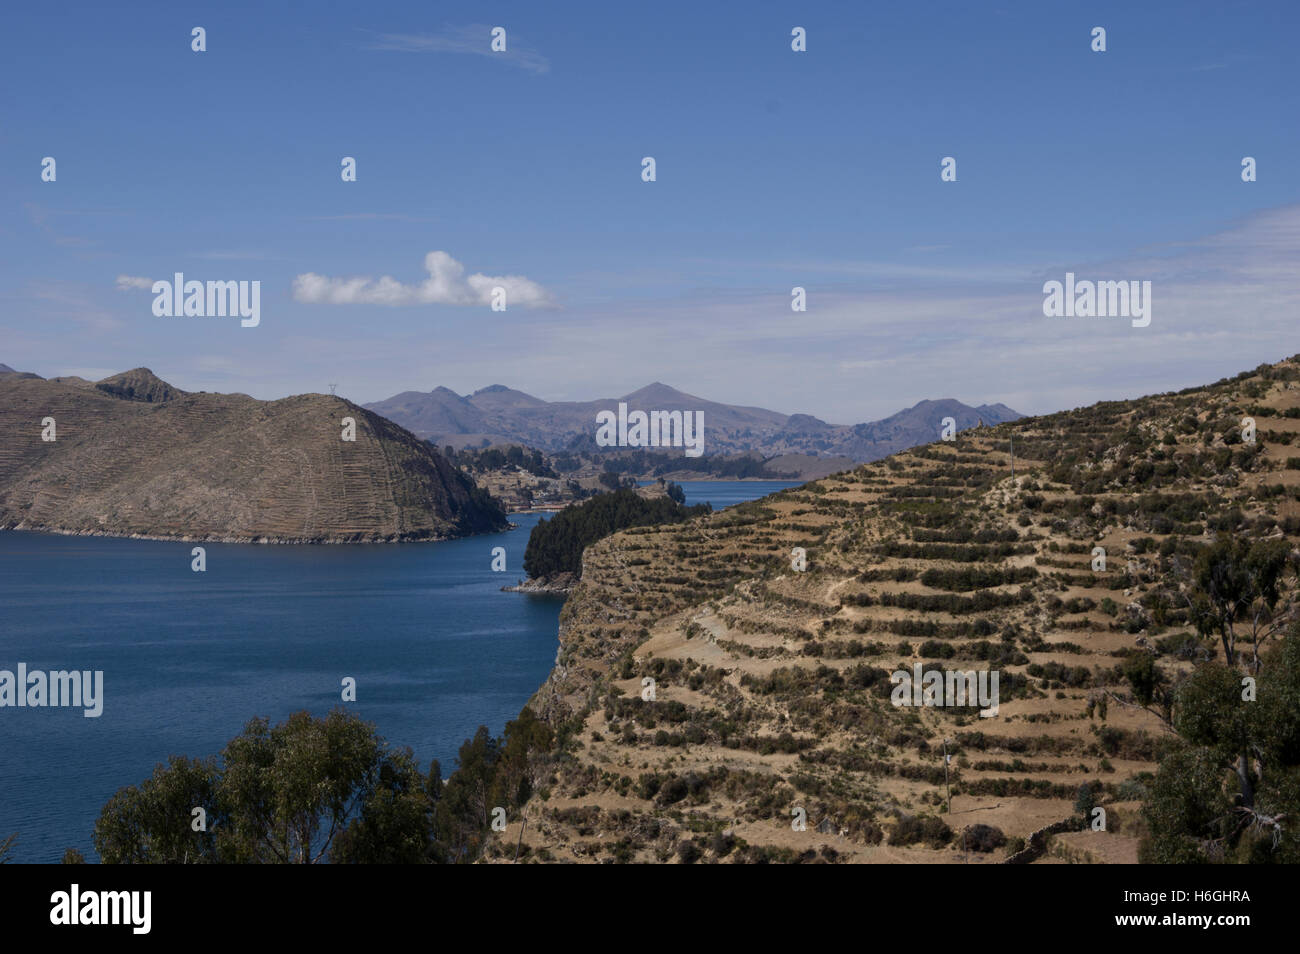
(983, 838)
(913, 829)
(689, 852)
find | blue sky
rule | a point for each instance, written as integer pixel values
(775, 169)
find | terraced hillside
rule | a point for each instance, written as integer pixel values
(134, 456)
(772, 686)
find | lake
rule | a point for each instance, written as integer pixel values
(726, 493)
(435, 647)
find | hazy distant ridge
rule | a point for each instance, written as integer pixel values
(499, 414)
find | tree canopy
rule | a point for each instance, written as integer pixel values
(556, 545)
(311, 790)
(1229, 787)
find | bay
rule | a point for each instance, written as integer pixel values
(436, 649)
(727, 493)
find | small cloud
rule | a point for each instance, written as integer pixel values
(446, 285)
(474, 38)
(133, 282)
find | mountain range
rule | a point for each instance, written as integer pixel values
(498, 414)
(131, 455)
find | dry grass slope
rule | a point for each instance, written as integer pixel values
(772, 689)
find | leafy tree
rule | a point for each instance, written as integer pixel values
(464, 810)
(395, 824)
(290, 789)
(1229, 790)
(281, 793)
(516, 776)
(154, 822)
(1085, 800)
(490, 773)
(1151, 687)
(1237, 581)
(311, 790)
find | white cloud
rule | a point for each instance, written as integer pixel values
(1223, 302)
(877, 336)
(133, 282)
(446, 285)
(474, 38)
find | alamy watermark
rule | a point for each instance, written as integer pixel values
(652, 429)
(76, 907)
(179, 298)
(1088, 299)
(948, 688)
(58, 689)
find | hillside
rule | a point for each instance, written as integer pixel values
(136, 457)
(772, 689)
(501, 415)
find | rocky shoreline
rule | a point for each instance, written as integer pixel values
(229, 538)
(561, 584)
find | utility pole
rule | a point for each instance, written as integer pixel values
(332, 387)
(946, 759)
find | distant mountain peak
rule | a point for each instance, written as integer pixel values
(139, 384)
(803, 422)
(660, 392)
(498, 395)
(5, 369)
(503, 415)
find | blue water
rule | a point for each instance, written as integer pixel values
(435, 647)
(725, 493)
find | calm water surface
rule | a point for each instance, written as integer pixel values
(725, 493)
(435, 647)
